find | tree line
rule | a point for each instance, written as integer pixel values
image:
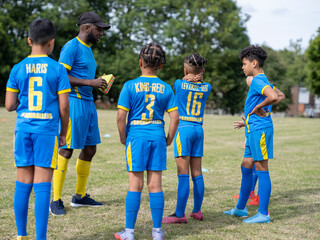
(216, 29)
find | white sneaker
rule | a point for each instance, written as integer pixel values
(157, 234)
(126, 234)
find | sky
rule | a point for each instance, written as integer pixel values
(276, 22)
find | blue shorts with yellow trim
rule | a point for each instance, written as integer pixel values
(259, 144)
(188, 141)
(83, 129)
(35, 149)
(144, 155)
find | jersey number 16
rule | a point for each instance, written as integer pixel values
(196, 106)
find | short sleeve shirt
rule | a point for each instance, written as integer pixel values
(146, 98)
(38, 80)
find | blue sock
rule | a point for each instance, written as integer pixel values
(157, 206)
(42, 193)
(133, 200)
(246, 185)
(183, 194)
(21, 205)
(198, 193)
(264, 191)
(254, 179)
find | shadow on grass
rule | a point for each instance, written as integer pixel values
(295, 203)
(284, 205)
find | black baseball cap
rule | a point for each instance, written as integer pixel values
(92, 17)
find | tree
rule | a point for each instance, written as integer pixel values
(14, 21)
(313, 54)
(212, 28)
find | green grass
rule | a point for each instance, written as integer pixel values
(295, 175)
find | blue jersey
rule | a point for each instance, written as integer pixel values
(255, 96)
(146, 98)
(38, 80)
(191, 100)
(78, 58)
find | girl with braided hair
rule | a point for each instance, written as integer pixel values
(191, 98)
(144, 100)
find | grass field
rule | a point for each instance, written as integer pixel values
(295, 176)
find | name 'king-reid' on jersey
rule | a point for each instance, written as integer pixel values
(146, 98)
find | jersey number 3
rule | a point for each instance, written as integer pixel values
(149, 99)
(195, 104)
(35, 105)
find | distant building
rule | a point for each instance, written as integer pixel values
(303, 103)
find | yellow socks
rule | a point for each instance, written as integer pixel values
(83, 169)
(59, 176)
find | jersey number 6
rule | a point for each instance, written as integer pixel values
(33, 94)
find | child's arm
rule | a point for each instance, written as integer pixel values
(12, 101)
(64, 110)
(193, 78)
(121, 122)
(174, 122)
(271, 98)
(280, 94)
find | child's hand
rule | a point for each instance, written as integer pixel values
(193, 78)
(259, 111)
(238, 124)
(62, 141)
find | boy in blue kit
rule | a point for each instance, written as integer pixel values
(83, 130)
(259, 134)
(38, 90)
(146, 98)
(188, 142)
(238, 125)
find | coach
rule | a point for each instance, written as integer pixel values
(83, 131)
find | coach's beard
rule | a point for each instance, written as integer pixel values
(92, 39)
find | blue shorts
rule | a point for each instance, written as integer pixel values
(144, 155)
(259, 144)
(188, 141)
(32, 149)
(83, 129)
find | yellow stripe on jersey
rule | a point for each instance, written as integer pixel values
(13, 147)
(172, 109)
(77, 91)
(82, 42)
(129, 157)
(247, 123)
(151, 76)
(68, 137)
(264, 89)
(12, 90)
(64, 91)
(55, 154)
(178, 143)
(66, 66)
(263, 146)
(42, 55)
(123, 108)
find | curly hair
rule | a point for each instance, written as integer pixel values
(153, 55)
(254, 52)
(196, 62)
